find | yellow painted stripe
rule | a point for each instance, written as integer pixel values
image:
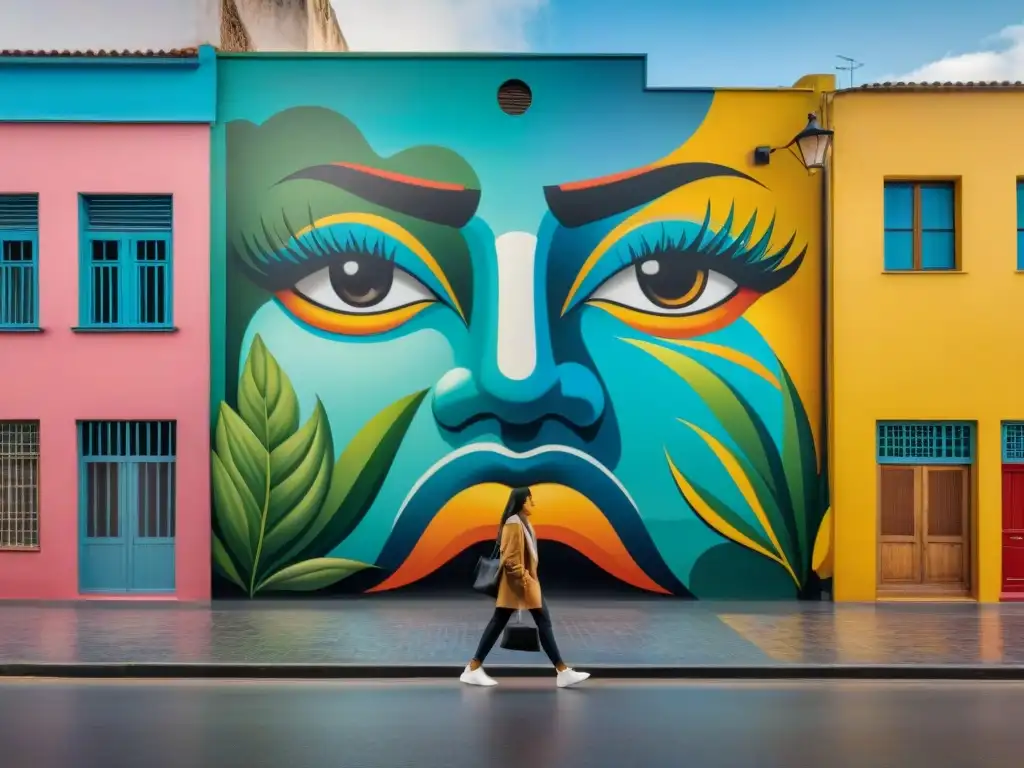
(712, 518)
(746, 489)
(732, 355)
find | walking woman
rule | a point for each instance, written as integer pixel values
(519, 589)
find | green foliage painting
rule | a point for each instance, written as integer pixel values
(281, 502)
(784, 488)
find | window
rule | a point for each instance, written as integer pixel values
(19, 484)
(920, 229)
(19, 238)
(126, 262)
(1013, 442)
(922, 442)
(1020, 224)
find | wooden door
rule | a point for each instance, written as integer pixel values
(899, 556)
(1013, 528)
(924, 527)
(945, 522)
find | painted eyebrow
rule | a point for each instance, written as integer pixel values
(584, 202)
(449, 205)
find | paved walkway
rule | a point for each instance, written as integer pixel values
(389, 631)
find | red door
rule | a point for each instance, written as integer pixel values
(1013, 530)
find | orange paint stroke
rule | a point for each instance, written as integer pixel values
(402, 178)
(562, 514)
(601, 181)
(348, 323)
(682, 326)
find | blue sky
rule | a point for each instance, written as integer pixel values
(715, 42)
(753, 42)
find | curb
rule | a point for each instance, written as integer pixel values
(451, 672)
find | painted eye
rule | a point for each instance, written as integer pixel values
(661, 286)
(362, 284)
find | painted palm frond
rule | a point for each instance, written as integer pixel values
(781, 485)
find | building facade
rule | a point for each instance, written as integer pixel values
(927, 413)
(104, 325)
(552, 277)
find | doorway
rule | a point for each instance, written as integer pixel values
(924, 530)
(127, 507)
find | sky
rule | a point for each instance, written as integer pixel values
(717, 42)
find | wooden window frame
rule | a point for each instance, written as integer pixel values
(1019, 208)
(917, 229)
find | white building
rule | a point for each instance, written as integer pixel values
(140, 25)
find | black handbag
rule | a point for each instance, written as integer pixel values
(487, 573)
(520, 637)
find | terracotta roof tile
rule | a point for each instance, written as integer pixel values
(948, 86)
(176, 53)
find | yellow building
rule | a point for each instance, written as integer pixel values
(927, 291)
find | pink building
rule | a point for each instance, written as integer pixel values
(105, 326)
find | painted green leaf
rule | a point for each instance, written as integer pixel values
(266, 399)
(311, 575)
(720, 516)
(300, 476)
(246, 461)
(356, 478)
(801, 466)
(230, 502)
(222, 562)
(745, 427)
(728, 407)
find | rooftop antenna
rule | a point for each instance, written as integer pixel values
(849, 66)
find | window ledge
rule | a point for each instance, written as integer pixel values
(924, 272)
(25, 329)
(124, 329)
(29, 550)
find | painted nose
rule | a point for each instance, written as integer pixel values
(516, 378)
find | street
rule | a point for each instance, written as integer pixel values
(53, 724)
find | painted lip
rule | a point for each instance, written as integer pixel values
(489, 462)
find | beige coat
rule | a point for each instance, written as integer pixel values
(518, 587)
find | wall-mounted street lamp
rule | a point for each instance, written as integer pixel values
(812, 142)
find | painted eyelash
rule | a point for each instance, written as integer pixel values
(283, 264)
(751, 265)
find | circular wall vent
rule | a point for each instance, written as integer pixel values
(514, 97)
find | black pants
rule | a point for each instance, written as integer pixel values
(541, 618)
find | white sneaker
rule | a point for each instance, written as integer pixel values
(477, 677)
(568, 677)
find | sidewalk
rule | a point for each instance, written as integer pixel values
(427, 637)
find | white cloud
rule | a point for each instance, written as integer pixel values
(437, 25)
(1002, 61)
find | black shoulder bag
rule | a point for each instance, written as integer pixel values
(487, 573)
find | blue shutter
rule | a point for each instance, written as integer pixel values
(938, 228)
(899, 226)
(19, 273)
(19, 212)
(1020, 224)
(922, 442)
(128, 213)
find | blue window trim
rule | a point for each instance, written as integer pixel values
(126, 267)
(1020, 224)
(918, 229)
(918, 459)
(1012, 442)
(19, 222)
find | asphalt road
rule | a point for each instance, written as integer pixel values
(522, 723)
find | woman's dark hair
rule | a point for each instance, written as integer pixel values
(516, 499)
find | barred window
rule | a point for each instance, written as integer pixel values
(19, 484)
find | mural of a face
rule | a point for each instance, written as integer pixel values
(563, 299)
